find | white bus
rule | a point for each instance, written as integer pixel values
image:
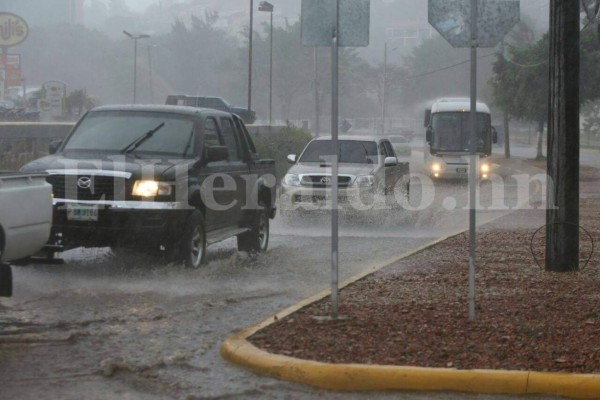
(447, 139)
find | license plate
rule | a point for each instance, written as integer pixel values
(81, 212)
(461, 170)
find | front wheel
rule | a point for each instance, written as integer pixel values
(192, 247)
(257, 238)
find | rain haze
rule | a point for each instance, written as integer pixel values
(184, 183)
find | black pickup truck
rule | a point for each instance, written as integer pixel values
(168, 178)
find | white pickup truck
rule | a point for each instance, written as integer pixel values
(25, 220)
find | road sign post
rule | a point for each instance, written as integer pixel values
(473, 23)
(335, 23)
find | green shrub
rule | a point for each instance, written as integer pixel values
(291, 140)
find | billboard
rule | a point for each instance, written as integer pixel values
(11, 65)
(13, 29)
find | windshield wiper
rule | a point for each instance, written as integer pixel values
(189, 143)
(138, 142)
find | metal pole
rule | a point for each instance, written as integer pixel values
(150, 70)
(334, 166)
(473, 163)
(316, 94)
(384, 83)
(134, 69)
(271, 76)
(250, 57)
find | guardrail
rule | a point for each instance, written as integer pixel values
(21, 142)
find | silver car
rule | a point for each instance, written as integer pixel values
(368, 166)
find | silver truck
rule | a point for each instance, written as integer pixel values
(25, 220)
(368, 167)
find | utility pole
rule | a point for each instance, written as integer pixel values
(316, 130)
(562, 215)
(384, 83)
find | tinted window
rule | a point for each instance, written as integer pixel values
(116, 131)
(389, 150)
(211, 133)
(230, 140)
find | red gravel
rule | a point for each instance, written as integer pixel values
(414, 312)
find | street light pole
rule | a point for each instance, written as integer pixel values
(268, 7)
(150, 71)
(135, 40)
(250, 57)
(383, 90)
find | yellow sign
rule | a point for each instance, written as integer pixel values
(13, 29)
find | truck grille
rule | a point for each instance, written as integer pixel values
(88, 187)
(324, 181)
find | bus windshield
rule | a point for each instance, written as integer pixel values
(451, 132)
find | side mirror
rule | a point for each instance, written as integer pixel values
(429, 134)
(291, 158)
(390, 162)
(54, 146)
(494, 135)
(216, 153)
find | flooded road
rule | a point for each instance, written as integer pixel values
(103, 326)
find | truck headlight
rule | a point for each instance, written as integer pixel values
(291, 180)
(151, 189)
(436, 167)
(364, 181)
(485, 168)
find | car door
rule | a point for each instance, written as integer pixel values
(237, 165)
(221, 201)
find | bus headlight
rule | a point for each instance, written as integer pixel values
(436, 167)
(485, 168)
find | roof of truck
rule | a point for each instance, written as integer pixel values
(160, 108)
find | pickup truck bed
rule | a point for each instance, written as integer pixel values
(25, 220)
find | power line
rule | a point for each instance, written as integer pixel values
(444, 68)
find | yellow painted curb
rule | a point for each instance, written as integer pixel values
(355, 377)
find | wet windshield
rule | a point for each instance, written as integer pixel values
(451, 132)
(350, 151)
(116, 130)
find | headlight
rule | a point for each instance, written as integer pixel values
(436, 167)
(291, 180)
(364, 181)
(485, 168)
(151, 189)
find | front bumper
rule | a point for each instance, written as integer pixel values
(122, 223)
(306, 198)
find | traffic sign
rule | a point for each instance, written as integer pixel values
(452, 19)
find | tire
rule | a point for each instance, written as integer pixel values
(257, 238)
(192, 246)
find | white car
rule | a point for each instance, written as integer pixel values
(368, 166)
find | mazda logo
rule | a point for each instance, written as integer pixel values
(326, 180)
(84, 182)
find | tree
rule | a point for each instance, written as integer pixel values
(80, 101)
(521, 81)
(562, 216)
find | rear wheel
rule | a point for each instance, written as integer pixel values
(257, 238)
(192, 247)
